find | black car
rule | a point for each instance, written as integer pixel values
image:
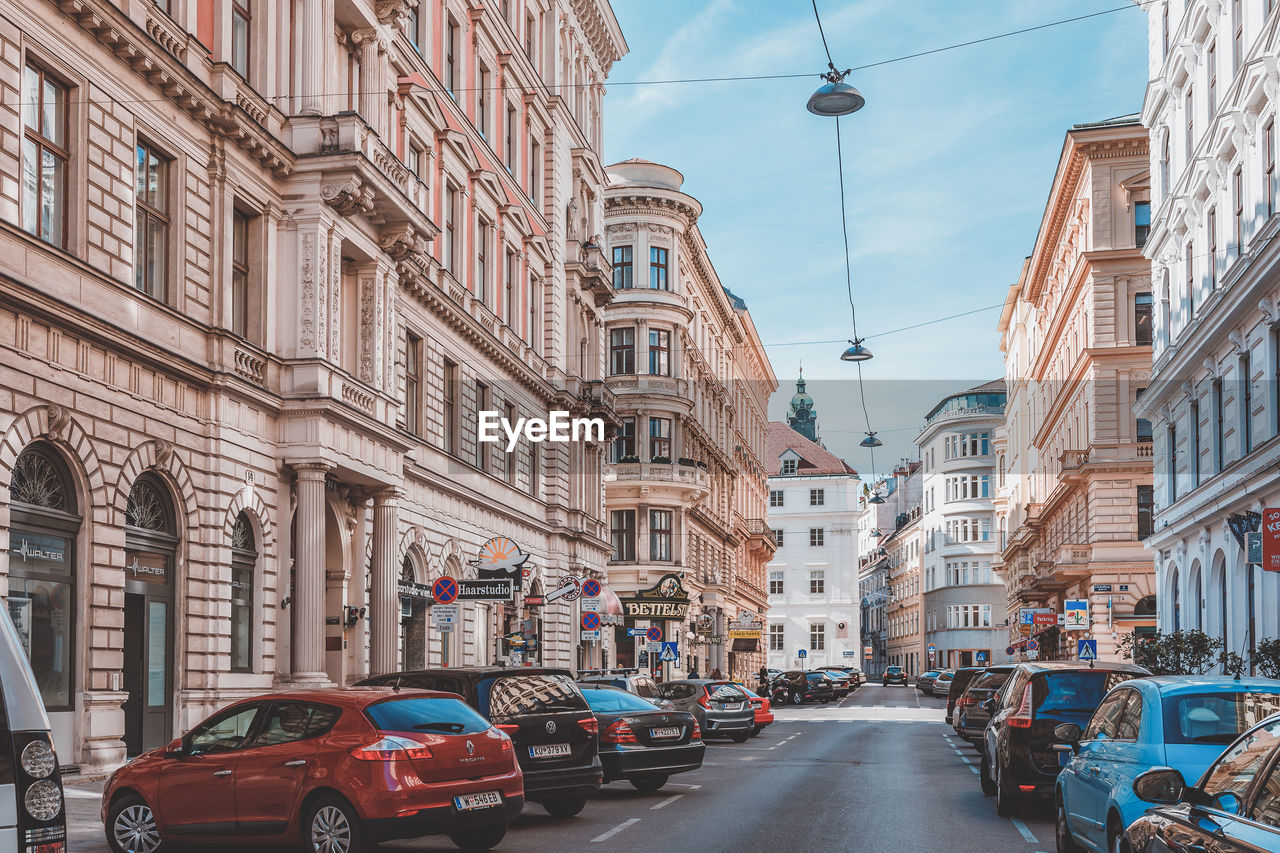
(630, 680)
(959, 681)
(894, 675)
(1234, 808)
(970, 717)
(640, 742)
(806, 686)
(546, 716)
(1018, 756)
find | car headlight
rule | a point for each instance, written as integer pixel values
(38, 759)
(43, 800)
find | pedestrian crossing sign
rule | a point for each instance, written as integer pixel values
(1087, 649)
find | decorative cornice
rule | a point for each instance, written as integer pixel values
(349, 197)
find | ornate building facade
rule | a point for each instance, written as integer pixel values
(1074, 463)
(262, 267)
(686, 487)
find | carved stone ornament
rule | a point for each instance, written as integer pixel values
(164, 452)
(59, 419)
(402, 243)
(393, 12)
(349, 197)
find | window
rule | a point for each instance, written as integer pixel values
(224, 733)
(1142, 319)
(776, 586)
(622, 533)
(1219, 431)
(413, 25)
(816, 535)
(660, 535)
(1141, 222)
(1191, 283)
(1237, 36)
(412, 383)
(1233, 773)
(530, 28)
(1246, 403)
(509, 459)
(240, 22)
(413, 160)
(817, 497)
(244, 557)
(777, 633)
(1189, 117)
(508, 306)
(450, 58)
(659, 439)
(1146, 502)
(1269, 140)
(817, 581)
(659, 352)
(151, 220)
(622, 279)
(1172, 434)
(512, 137)
(776, 497)
(1237, 198)
(484, 235)
(817, 637)
(293, 721)
(789, 466)
(482, 101)
(535, 305)
(658, 269)
(240, 273)
(1211, 60)
(624, 443)
(1164, 164)
(1107, 717)
(1164, 31)
(778, 536)
(535, 167)
(1211, 228)
(449, 409)
(482, 405)
(451, 249)
(622, 351)
(45, 155)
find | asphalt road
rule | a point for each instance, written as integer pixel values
(878, 772)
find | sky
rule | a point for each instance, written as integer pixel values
(947, 171)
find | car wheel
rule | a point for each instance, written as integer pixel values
(1004, 797)
(739, 737)
(796, 698)
(333, 827)
(480, 839)
(1062, 832)
(1116, 842)
(651, 783)
(984, 777)
(131, 827)
(756, 730)
(565, 806)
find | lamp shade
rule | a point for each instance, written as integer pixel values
(855, 352)
(875, 498)
(871, 441)
(836, 98)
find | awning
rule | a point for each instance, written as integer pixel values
(612, 604)
(744, 645)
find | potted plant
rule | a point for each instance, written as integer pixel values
(687, 462)
(661, 460)
(628, 458)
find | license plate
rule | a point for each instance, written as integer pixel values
(484, 800)
(550, 750)
(731, 706)
(673, 731)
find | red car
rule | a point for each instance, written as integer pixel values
(762, 707)
(337, 770)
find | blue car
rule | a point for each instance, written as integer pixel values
(1183, 722)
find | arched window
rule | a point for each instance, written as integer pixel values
(1177, 601)
(42, 535)
(1146, 606)
(413, 617)
(244, 561)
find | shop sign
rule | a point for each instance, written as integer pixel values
(667, 599)
(485, 590)
(41, 551)
(410, 589)
(1271, 540)
(147, 568)
(501, 559)
(1077, 614)
(745, 627)
(705, 625)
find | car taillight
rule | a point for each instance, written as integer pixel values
(507, 729)
(702, 700)
(589, 725)
(697, 731)
(392, 748)
(618, 732)
(1025, 713)
(504, 740)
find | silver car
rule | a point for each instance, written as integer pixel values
(722, 708)
(941, 685)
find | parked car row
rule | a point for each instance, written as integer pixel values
(454, 751)
(801, 686)
(1114, 748)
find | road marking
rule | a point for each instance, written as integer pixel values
(662, 805)
(1022, 828)
(974, 769)
(966, 760)
(611, 833)
(684, 785)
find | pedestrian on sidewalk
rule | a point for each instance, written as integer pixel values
(693, 673)
(716, 674)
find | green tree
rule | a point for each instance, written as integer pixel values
(1267, 658)
(1174, 653)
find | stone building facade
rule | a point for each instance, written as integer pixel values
(1075, 464)
(1214, 396)
(882, 504)
(686, 484)
(904, 611)
(261, 265)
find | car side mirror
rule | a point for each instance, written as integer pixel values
(175, 749)
(988, 705)
(1068, 737)
(1163, 786)
(1227, 802)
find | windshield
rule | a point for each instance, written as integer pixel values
(442, 716)
(725, 692)
(1216, 717)
(896, 670)
(607, 701)
(542, 693)
(1074, 690)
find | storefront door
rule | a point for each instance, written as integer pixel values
(148, 641)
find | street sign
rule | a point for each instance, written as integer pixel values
(1044, 619)
(1102, 587)
(653, 648)
(1033, 646)
(534, 601)
(592, 605)
(591, 621)
(444, 627)
(591, 636)
(1253, 548)
(1271, 540)
(866, 652)
(485, 590)
(804, 653)
(637, 632)
(444, 613)
(670, 652)
(569, 589)
(849, 653)
(1087, 649)
(981, 657)
(1009, 651)
(1076, 611)
(654, 633)
(444, 590)
(591, 589)
(644, 658)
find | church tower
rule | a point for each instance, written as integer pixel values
(802, 417)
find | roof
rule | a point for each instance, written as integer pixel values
(477, 672)
(347, 696)
(815, 459)
(1118, 121)
(1172, 684)
(1107, 665)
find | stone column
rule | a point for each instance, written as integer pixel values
(384, 612)
(309, 581)
(311, 39)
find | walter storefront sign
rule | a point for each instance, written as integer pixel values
(1271, 540)
(667, 599)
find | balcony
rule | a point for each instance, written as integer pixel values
(643, 383)
(586, 264)
(602, 401)
(685, 483)
(759, 537)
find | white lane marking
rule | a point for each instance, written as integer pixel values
(605, 836)
(974, 769)
(684, 785)
(662, 805)
(1022, 828)
(71, 792)
(966, 760)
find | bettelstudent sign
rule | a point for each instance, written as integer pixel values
(667, 599)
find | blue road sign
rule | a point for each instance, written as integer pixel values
(1033, 646)
(982, 657)
(637, 632)
(669, 653)
(1087, 649)
(445, 590)
(654, 633)
(804, 653)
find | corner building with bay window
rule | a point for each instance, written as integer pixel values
(261, 264)
(686, 484)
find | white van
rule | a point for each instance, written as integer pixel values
(32, 819)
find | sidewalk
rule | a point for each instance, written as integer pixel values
(84, 828)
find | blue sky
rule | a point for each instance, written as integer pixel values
(947, 167)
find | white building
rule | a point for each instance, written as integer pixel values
(1214, 399)
(813, 577)
(964, 600)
